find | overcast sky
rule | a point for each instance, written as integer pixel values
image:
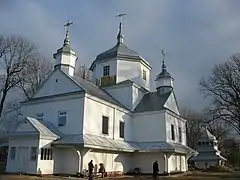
(196, 34)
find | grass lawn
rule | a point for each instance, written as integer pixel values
(189, 176)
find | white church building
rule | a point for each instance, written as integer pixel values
(113, 119)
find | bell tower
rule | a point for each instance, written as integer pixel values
(164, 80)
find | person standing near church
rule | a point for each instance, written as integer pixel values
(155, 169)
(90, 169)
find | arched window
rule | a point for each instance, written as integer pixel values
(199, 143)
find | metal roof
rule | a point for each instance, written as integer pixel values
(99, 142)
(44, 128)
(94, 90)
(153, 101)
(120, 51)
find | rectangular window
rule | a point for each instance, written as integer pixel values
(105, 125)
(46, 154)
(172, 132)
(144, 75)
(62, 118)
(39, 116)
(180, 134)
(33, 153)
(13, 153)
(106, 70)
(121, 129)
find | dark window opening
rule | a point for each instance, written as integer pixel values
(105, 125)
(121, 129)
(172, 132)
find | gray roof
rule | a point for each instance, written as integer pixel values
(120, 50)
(88, 140)
(99, 142)
(43, 128)
(94, 90)
(153, 101)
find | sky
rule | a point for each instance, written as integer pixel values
(195, 34)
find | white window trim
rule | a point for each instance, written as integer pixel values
(108, 70)
(60, 115)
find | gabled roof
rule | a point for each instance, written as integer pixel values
(153, 101)
(87, 87)
(94, 90)
(43, 128)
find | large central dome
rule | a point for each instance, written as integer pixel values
(119, 51)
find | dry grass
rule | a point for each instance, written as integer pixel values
(189, 176)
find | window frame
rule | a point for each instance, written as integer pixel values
(46, 154)
(103, 127)
(106, 70)
(13, 155)
(144, 75)
(180, 134)
(62, 115)
(121, 133)
(173, 132)
(33, 155)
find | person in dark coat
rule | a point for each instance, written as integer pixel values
(90, 169)
(155, 169)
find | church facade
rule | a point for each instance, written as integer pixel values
(113, 119)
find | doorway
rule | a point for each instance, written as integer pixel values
(22, 158)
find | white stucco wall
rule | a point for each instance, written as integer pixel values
(149, 127)
(145, 161)
(171, 104)
(133, 71)
(72, 104)
(45, 166)
(137, 95)
(22, 162)
(171, 119)
(177, 162)
(127, 94)
(57, 83)
(123, 94)
(66, 160)
(98, 70)
(112, 161)
(94, 110)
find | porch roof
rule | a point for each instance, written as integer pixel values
(99, 142)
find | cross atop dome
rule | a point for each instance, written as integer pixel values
(120, 36)
(66, 40)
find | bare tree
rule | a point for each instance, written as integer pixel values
(84, 72)
(223, 87)
(193, 126)
(36, 70)
(15, 52)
